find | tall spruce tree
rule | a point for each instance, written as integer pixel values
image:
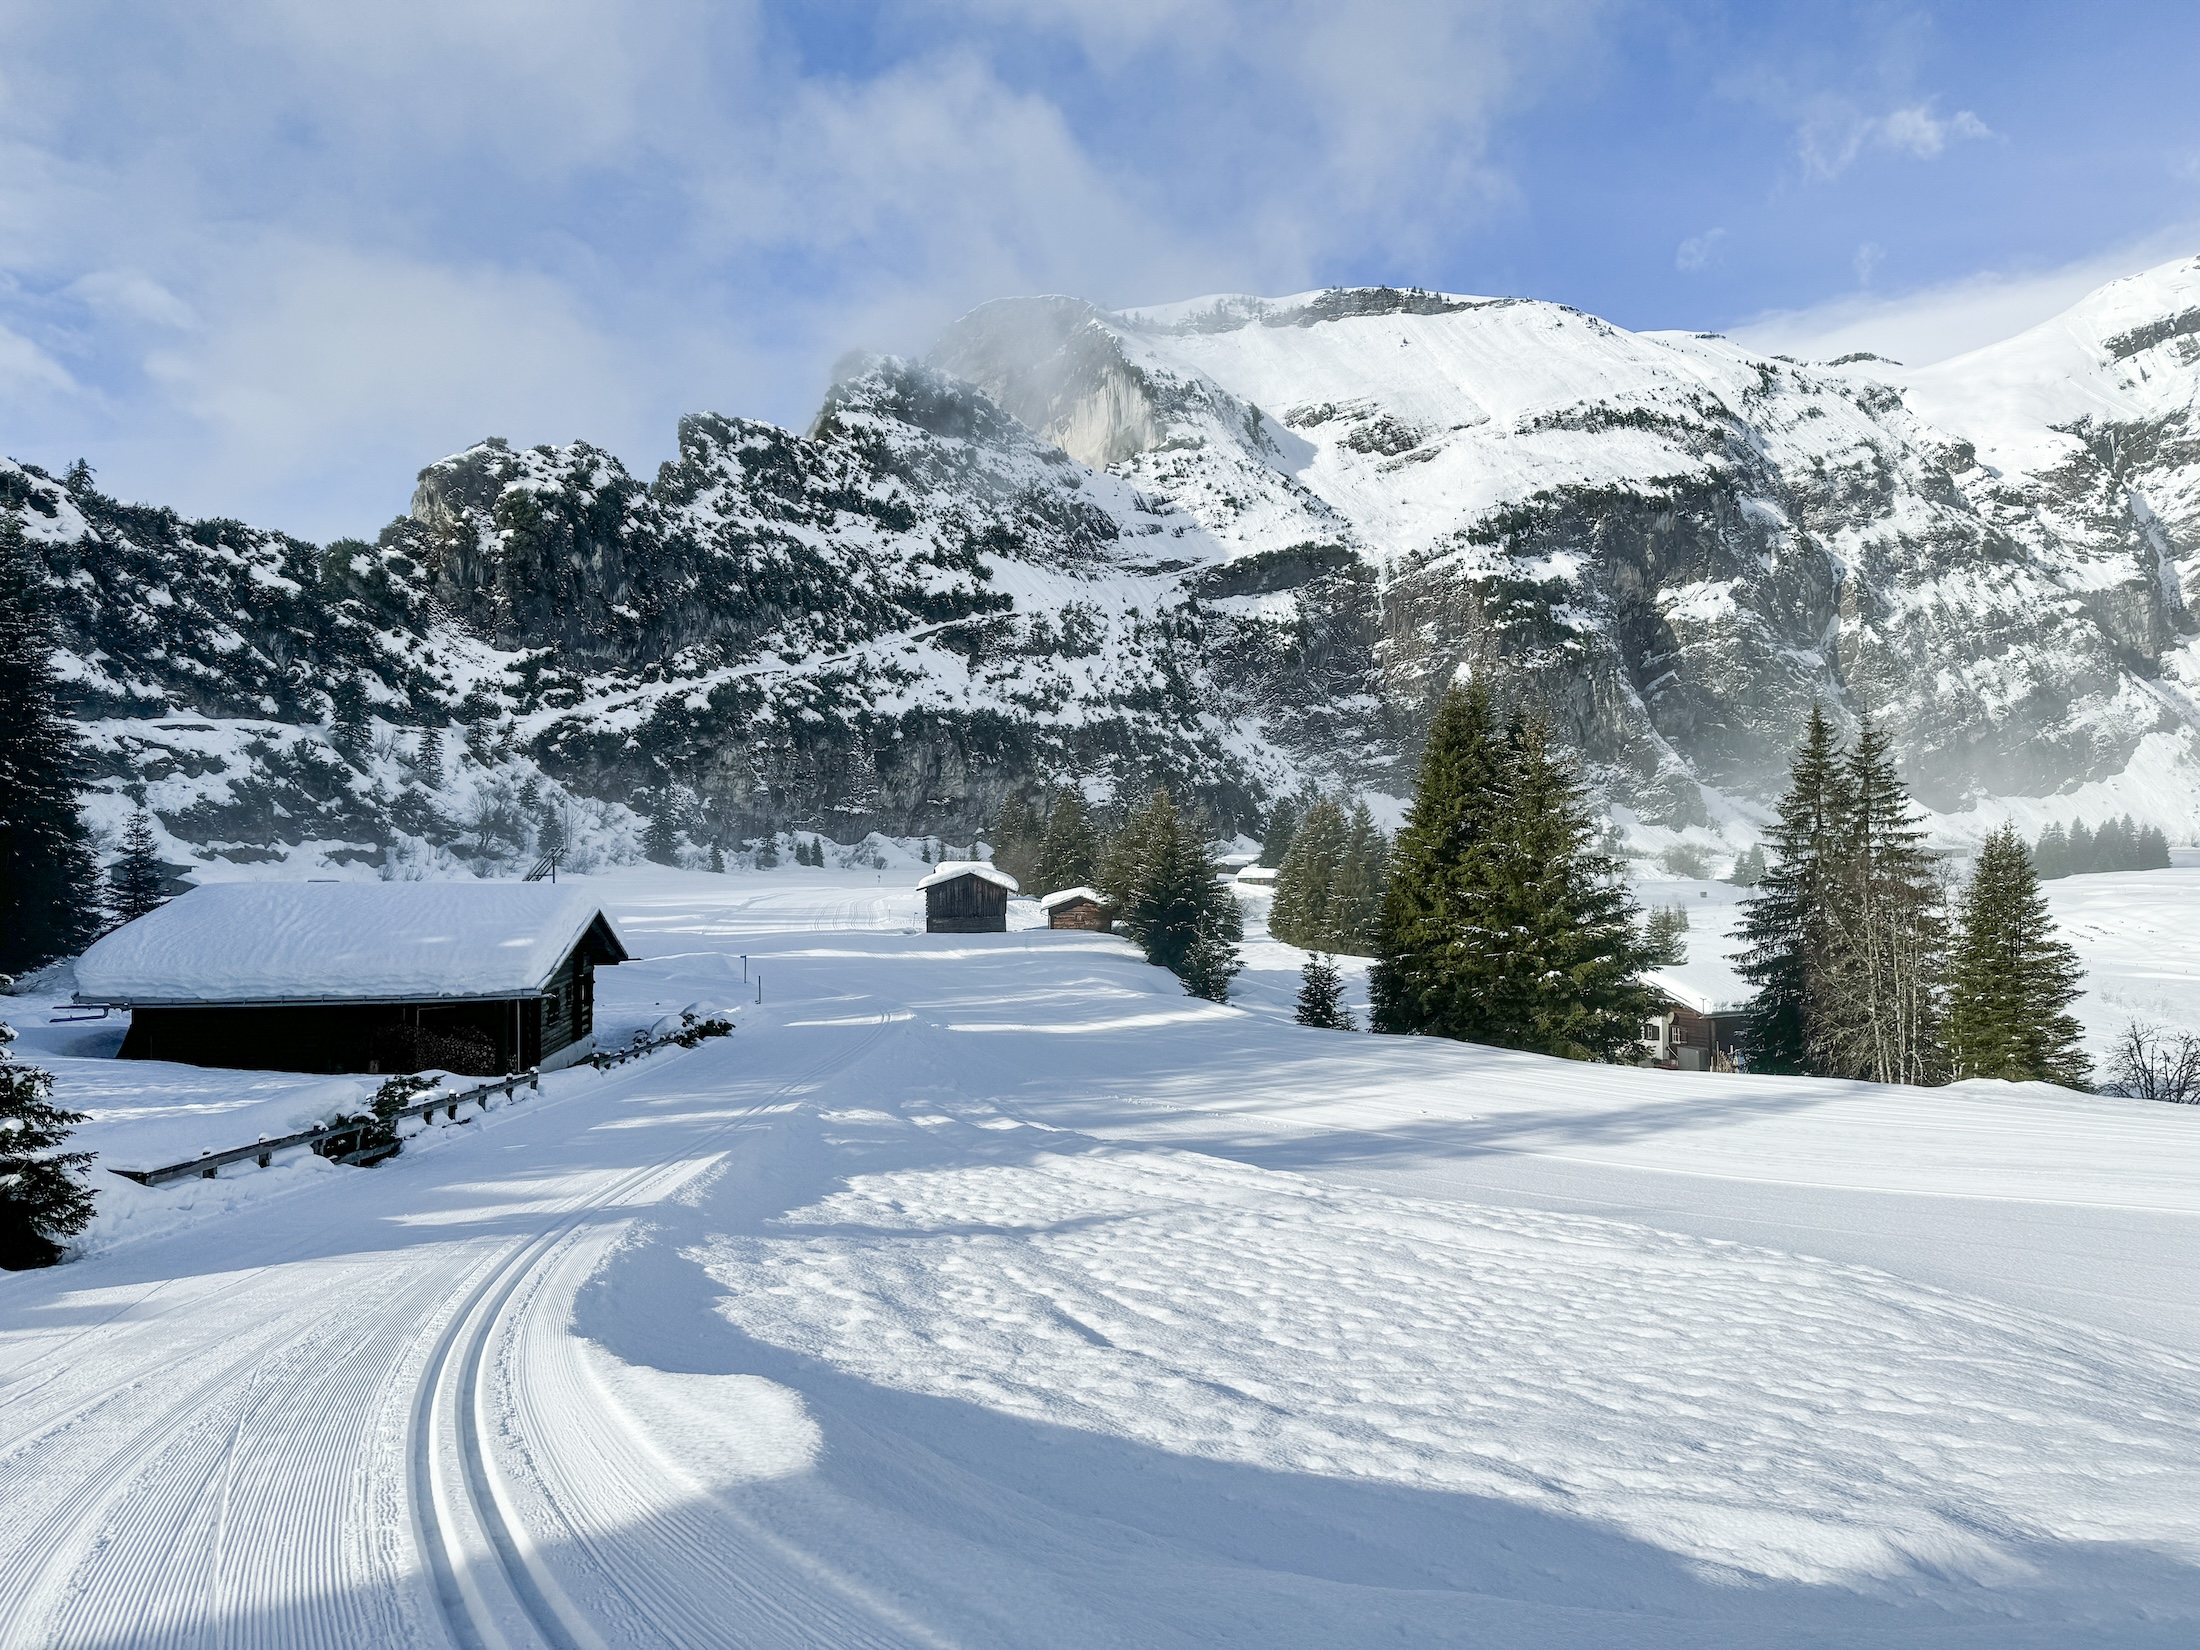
(1784, 923)
(42, 1200)
(1877, 1013)
(1069, 851)
(49, 880)
(1015, 839)
(1553, 939)
(1438, 865)
(137, 882)
(1283, 825)
(2052, 856)
(1299, 912)
(1355, 913)
(1172, 904)
(2011, 981)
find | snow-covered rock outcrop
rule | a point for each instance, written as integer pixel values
(1229, 544)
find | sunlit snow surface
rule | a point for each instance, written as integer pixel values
(984, 1290)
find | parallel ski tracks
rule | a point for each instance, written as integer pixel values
(491, 1584)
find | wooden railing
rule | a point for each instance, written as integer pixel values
(262, 1151)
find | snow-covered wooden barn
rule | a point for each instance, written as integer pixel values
(1084, 908)
(967, 896)
(475, 977)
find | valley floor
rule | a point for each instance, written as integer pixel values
(987, 1291)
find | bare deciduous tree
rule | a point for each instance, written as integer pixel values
(2153, 1064)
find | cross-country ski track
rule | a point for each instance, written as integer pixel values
(986, 1291)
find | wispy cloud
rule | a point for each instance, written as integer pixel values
(1698, 250)
(1948, 318)
(1835, 132)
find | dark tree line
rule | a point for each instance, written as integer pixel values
(1859, 972)
(2119, 845)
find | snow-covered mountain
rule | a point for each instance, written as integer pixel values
(1231, 544)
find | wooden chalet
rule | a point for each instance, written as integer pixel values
(1084, 908)
(967, 896)
(1701, 1012)
(478, 978)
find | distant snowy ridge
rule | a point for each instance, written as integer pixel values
(1228, 545)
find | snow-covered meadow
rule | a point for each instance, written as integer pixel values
(985, 1290)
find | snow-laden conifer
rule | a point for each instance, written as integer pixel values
(1171, 902)
(1439, 859)
(2011, 980)
(1877, 1011)
(1069, 849)
(1298, 914)
(1321, 996)
(1785, 922)
(137, 882)
(49, 881)
(43, 1200)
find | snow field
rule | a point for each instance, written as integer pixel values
(986, 1291)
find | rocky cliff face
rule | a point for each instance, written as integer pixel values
(1229, 546)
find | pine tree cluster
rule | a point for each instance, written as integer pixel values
(1050, 851)
(1502, 923)
(1665, 934)
(42, 1198)
(1329, 889)
(49, 880)
(1849, 946)
(2119, 845)
(1169, 899)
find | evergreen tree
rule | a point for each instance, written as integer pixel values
(428, 763)
(2113, 845)
(1665, 934)
(767, 853)
(1283, 825)
(717, 859)
(49, 879)
(1784, 924)
(1321, 996)
(1015, 840)
(1749, 867)
(1298, 914)
(2052, 856)
(348, 727)
(1438, 863)
(1553, 944)
(1355, 910)
(2152, 852)
(2082, 859)
(1173, 906)
(661, 830)
(2011, 980)
(549, 830)
(137, 883)
(1070, 849)
(42, 1200)
(1877, 1013)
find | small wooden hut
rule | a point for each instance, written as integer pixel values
(1084, 908)
(479, 978)
(967, 896)
(1699, 1017)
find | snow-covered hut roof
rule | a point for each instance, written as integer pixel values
(950, 869)
(1706, 984)
(275, 942)
(1070, 895)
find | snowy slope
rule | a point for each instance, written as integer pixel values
(987, 1291)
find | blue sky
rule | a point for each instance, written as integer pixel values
(268, 259)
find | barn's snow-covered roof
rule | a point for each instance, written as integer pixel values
(950, 869)
(269, 942)
(1070, 895)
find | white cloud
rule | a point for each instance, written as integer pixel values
(1835, 131)
(1866, 263)
(1696, 252)
(1936, 322)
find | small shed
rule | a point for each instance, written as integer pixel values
(479, 978)
(1084, 908)
(967, 896)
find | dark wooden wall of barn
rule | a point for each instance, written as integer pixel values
(966, 905)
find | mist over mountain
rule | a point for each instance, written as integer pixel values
(1232, 545)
